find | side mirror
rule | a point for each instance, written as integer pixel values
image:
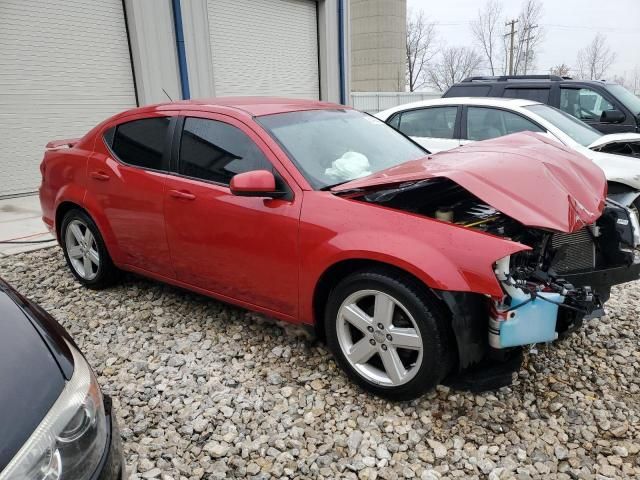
(257, 183)
(612, 116)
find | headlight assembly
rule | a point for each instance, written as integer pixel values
(71, 439)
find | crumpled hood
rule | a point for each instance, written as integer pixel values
(526, 176)
(616, 138)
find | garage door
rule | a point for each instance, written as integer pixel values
(64, 66)
(264, 47)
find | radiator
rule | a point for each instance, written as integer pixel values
(580, 253)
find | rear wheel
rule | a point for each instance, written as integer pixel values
(388, 335)
(85, 251)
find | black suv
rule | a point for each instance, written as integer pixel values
(607, 107)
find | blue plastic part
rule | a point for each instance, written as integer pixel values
(534, 322)
(341, 56)
(182, 55)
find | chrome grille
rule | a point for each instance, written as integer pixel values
(580, 251)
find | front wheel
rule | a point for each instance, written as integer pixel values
(388, 335)
(85, 251)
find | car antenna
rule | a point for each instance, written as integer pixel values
(165, 92)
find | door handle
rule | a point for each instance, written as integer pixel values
(103, 177)
(182, 194)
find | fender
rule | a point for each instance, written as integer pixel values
(84, 199)
(442, 255)
(110, 240)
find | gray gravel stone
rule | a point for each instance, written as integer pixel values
(203, 390)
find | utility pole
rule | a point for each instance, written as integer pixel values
(513, 35)
(526, 52)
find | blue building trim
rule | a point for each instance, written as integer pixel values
(341, 56)
(182, 55)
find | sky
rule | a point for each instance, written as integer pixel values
(568, 25)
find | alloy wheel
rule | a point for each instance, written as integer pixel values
(379, 338)
(82, 249)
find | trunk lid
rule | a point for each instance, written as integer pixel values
(528, 177)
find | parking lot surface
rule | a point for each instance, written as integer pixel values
(205, 390)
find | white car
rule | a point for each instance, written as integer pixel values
(447, 123)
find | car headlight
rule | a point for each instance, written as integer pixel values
(635, 225)
(71, 439)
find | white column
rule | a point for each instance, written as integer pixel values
(153, 50)
(197, 44)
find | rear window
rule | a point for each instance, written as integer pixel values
(468, 91)
(140, 143)
(536, 94)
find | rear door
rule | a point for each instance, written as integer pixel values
(435, 128)
(535, 93)
(241, 248)
(126, 179)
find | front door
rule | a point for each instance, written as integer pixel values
(484, 123)
(241, 248)
(588, 104)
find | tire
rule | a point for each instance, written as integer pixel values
(85, 251)
(425, 350)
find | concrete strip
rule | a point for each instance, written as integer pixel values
(21, 220)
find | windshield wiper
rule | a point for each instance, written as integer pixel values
(329, 187)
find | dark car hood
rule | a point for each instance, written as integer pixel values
(31, 379)
(526, 176)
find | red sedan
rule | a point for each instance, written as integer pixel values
(414, 268)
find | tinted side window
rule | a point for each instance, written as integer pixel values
(486, 123)
(536, 94)
(434, 122)
(583, 103)
(217, 151)
(468, 91)
(140, 142)
(394, 121)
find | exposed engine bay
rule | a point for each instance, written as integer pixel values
(630, 149)
(541, 299)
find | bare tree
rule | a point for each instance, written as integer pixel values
(530, 36)
(561, 70)
(454, 64)
(421, 35)
(630, 80)
(595, 59)
(487, 32)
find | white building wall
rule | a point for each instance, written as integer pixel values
(374, 102)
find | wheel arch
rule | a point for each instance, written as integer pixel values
(65, 207)
(61, 210)
(339, 270)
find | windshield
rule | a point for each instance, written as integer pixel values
(628, 99)
(576, 129)
(334, 146)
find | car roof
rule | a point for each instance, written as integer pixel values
(482, 101)
(526, 80)
(253, 106)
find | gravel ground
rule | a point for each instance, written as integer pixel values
(206, 390)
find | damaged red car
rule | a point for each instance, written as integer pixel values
(416, 269)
